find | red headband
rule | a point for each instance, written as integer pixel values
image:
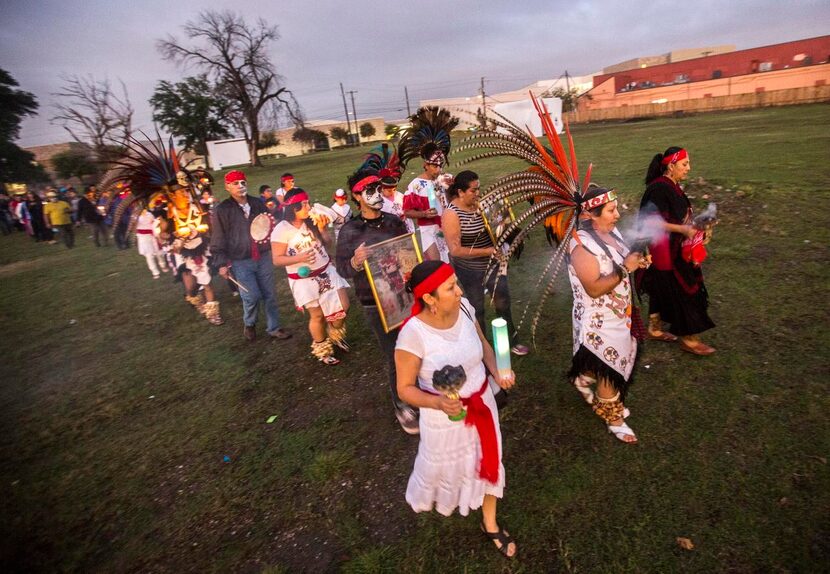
(428, 285)
(606, 197)
(234, 176)
(286, 178)
(363, 183)
(675, 157)
(299, 198)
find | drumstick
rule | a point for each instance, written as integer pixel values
(237, 283)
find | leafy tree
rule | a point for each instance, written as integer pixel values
(308, 136)
(192, 110)
(16, 164)
(14, 106)
(236, 56)
(569, 97)
(268, 139)
(391, 129)
(367, 130)
(93, 113)
(74, 162)
(340, 134)
(19, 166)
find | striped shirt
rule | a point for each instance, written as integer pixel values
(473, 234)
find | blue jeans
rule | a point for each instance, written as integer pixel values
(258, 279)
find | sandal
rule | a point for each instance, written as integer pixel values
(612, 409)
(655, 325)
(701, 349)
(622, 431)
(502, 540)
(663, 336)
(324, 351)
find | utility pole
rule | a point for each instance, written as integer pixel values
(346, 109)
(406, 93)
(567, 82)
(354, 113)
(483, 102)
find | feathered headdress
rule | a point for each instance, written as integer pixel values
(550, 184)
(151, 167)
(149, 170)
(381, 163)
(428, 134)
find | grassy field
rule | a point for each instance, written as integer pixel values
(134, 435)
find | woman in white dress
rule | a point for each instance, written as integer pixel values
(604, 347)
(459, 461)
(148, 244)
(298, 244)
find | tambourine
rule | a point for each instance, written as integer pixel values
(261, 227)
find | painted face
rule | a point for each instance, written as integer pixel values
(181, 198)
(432, 170)
(608, 217)
(237, 189)
(372, 197)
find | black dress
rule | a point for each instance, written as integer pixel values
(674, 286)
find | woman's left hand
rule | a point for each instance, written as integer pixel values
(505, 381)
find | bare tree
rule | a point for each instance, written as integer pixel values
(235, 55)
(93, 113)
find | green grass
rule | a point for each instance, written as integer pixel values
(118, 404)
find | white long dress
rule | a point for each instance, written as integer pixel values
(445, 475)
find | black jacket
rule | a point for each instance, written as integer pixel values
(356, 231)
(88, 212)
(230, 236)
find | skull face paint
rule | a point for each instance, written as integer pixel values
(373, 197)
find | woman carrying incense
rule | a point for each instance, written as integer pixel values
(677, 294)
(605, 348)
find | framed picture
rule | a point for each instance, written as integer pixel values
(388, 267)
(496, 218)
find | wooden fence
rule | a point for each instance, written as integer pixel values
(806, 95)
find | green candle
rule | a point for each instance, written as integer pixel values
(501, 345)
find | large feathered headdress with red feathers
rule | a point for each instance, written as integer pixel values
(550, 184)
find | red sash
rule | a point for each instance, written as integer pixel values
(314, 273)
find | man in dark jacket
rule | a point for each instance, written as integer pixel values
(250, 262)
(370, 227)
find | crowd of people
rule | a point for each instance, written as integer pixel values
(444, 343)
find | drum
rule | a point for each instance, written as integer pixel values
(261, 227)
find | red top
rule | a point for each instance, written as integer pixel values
(420, 203)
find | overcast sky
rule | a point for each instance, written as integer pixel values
(436, 48)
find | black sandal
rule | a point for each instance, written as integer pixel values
(503, 538)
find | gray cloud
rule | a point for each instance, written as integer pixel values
(436, 48)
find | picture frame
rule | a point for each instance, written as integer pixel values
(496, 218)
(388, 267)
